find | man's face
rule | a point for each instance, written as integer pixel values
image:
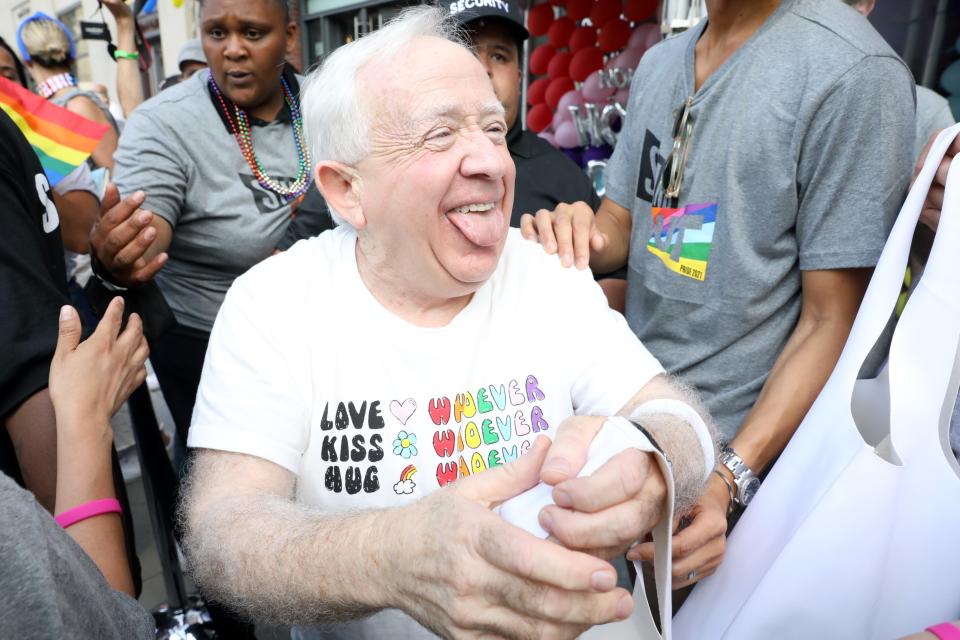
(190, 67)
(437, 187)
(245, 42)
(8, 66)
(496, 49)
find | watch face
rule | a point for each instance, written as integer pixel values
(749, 490)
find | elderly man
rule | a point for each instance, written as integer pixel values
(367, 400)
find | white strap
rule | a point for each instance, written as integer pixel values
(640, 625)
(925, 342)
(881, 296)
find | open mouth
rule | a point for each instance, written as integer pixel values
(240, 77)
(482, 223)
(474, 208)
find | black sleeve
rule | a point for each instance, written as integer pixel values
(312, 219)
(32, 273)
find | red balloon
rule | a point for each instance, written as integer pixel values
(560, 30)
(639, 10)
(604, 11)
(582, 38)
(540, 59)
(539, 118)
(558, 3)
(556, 90)
(559, 67)
(614, 35)
(585, 62)
(539, 19)
(579, 9)
(537, 91)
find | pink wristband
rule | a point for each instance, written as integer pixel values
(945, 631)
(88, 510)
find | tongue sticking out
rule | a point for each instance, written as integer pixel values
(482, 229)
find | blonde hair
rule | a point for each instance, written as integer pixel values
(47, 43)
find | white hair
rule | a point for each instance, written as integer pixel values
(335, 123)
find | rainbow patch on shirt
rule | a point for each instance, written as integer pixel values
(682, 238)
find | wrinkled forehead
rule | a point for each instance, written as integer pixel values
(427, 79)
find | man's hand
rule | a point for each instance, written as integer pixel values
(89, 381)
(570, 230)
(930, 214)
(466, 573)
(124, 241)
(119, 9)
(606, 512)
(697, 549)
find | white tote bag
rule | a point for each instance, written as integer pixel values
(857, 535)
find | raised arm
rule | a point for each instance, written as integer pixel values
(88, 383)
(129, 88)
(447, 560)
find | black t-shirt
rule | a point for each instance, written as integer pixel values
(33, 283)
(545, 177)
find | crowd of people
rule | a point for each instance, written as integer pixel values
(371, 301)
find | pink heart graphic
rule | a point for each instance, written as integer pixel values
(403, 410)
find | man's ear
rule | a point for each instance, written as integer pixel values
(340, 186)
(292, 31)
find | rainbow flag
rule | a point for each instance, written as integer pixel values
(61, 139)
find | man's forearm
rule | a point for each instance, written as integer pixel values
(276, 560)
(682, 447)
(617, 229)
(33, 432)
(796, 379)
(78, 212)
(679, 439)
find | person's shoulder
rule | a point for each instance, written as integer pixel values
(308, 264)
(87, 106)
(668, 52)
(525, 266)
(834, 29)
(175, 103)
(530, 145)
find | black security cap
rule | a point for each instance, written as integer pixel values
(471, 13)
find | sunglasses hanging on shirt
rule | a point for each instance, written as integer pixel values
(670, 179)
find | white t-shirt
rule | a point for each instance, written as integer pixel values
(306, 369)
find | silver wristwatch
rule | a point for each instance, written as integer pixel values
(744, 478)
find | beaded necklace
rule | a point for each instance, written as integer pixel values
(54, 83)
(240, 127)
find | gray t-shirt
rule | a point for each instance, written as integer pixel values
(177, 149)
(801, 151)
(50, 588)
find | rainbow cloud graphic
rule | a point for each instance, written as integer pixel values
(406, 485)
(682, 238)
